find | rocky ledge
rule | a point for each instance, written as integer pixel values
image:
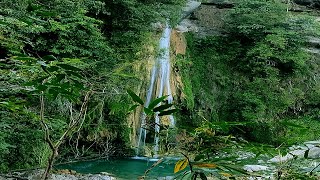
(59, 175)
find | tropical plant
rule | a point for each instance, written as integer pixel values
(155, 109)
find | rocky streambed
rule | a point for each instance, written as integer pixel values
(58, 175)
(302, 160)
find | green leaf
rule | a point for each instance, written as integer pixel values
(53, 93)
(3, 23)
(36, 81)
(41, 87)
(74, 74)
(49, 58)
(202, 176)
(44, 68)
(187, 175)
(77, 83)
(134, 97)
(68, 67)
(155, 102)
(194, 176)
(162, 107)
(147, 111)
(199, 157)
(53, 68)
(59, 77)
(24, 58)
(133, 107)
(46, 13)
(5, 103)
(234, 168)
(169, 112)
(42, 63)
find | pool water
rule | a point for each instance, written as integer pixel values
(125, 168)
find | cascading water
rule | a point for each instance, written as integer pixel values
(161, 71)
(160, 77)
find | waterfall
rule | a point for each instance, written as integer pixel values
(161, 72)
(160, 77)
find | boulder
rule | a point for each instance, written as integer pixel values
(313, 142)
(279, 158)
(298, 152)
(254, 168)
(182, 29)
(314, 153)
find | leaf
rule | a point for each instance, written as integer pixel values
(74, 74)
(36, 81)
(46, 13)
(155, 102)
(53, 93)
(290, 124)
(41, 87)
(134, 97)
(162, 107)
(52, 68)
(225, 174)
(169, 112)
(24, 58)
(68, 67)
(77, 84)
(49, 58)
(187, 175)
(233, 168)
(202, 176)
(147, 111)
(133, 107)
(194, 176)
(42, 63)
(4, 103)
(206, 165)
(180, 165)
(60, 77)
(199, 157)
(44, 68)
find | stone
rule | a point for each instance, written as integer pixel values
(187, 25)
(299, 153)
(313, 142)
(191, 6)
(182, 29)
(254, 168)
(314, 153)
(312, 50)
(279, 158)
(309, 146)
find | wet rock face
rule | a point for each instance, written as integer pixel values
(303, 2)
(310, 3)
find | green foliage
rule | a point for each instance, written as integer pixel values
(154, 107)
(258, 73)
(60, 48)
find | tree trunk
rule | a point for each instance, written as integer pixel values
(54, 154)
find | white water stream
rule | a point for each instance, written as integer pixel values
(160, 76)
(161, 72)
